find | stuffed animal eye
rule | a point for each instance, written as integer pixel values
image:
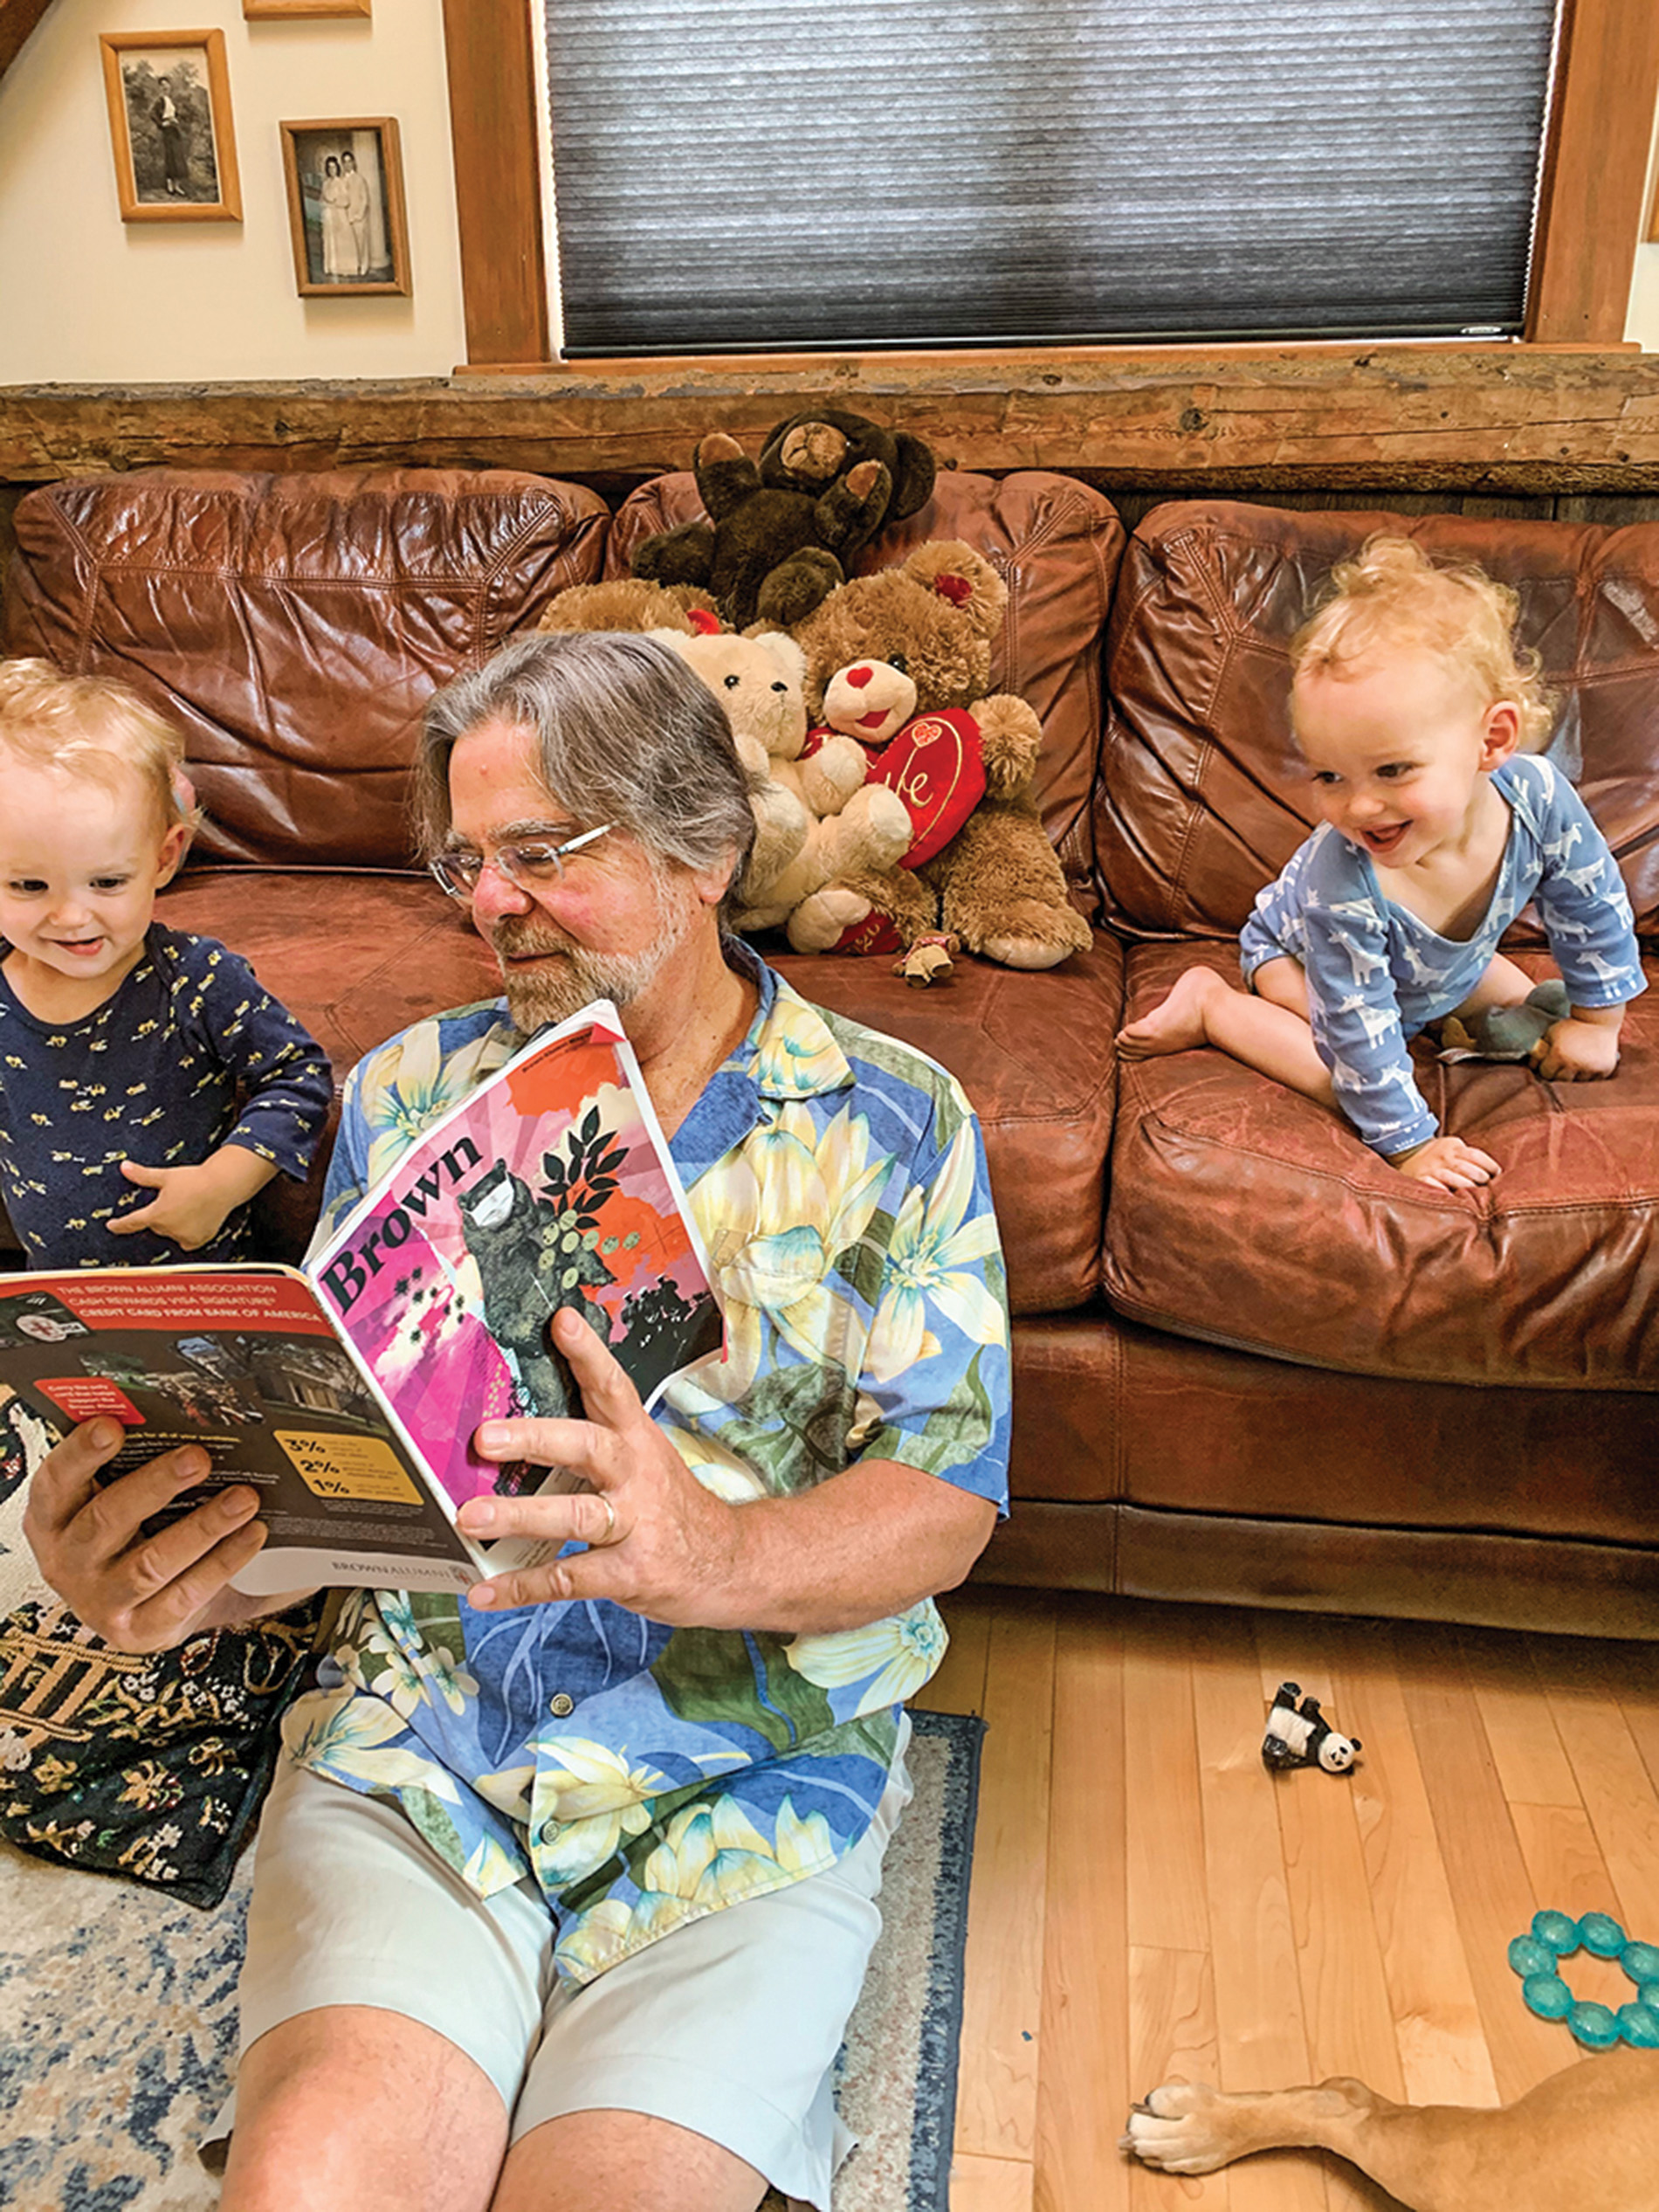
(897, 661)
(732, 683)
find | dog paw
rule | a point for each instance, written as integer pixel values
(1175, 2129)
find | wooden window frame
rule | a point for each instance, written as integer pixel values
(1590, 217)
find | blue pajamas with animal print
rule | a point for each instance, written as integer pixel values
(1377, 974)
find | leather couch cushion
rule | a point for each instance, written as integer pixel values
(1201, 801)
(1033, 1053)
(1057, 544)
(1108, 1412)
(294, 626)
(1245, 1214)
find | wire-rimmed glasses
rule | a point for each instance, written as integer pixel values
(532, 866)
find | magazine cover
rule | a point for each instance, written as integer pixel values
(550, 1185)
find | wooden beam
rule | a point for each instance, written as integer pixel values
(1595, 172)
(491, 61)
(1492, 419)
(18, 19)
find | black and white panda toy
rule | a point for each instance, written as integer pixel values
(1300, 1735)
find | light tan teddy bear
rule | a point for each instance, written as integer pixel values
(816, 817)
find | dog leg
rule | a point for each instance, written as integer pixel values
(1188, 2127)
(1599, 2118)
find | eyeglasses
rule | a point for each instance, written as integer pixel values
(528, 867)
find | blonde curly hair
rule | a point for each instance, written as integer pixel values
(93, 726)
(1392, 595)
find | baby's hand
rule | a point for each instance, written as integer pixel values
(192, 1204)
(1448, 1164)
(1576, 1051)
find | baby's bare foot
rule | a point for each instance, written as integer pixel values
(1180, 2129)
(1177, 1025)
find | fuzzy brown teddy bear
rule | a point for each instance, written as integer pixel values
(918, 638)
(629, 603)
(782, 530)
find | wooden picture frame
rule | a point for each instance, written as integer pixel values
(353, 242)
(277, 11)
(169, 126)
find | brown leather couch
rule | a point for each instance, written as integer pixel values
(1252, 1363)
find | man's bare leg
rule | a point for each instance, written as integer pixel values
(1267, 1029)
(610, 2161)
(1589, 2133)
(348, 2105)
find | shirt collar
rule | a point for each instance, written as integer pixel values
(788, 1053)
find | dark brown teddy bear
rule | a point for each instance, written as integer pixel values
(997, 884)
(783, 530)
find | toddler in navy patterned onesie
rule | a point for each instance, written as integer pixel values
(149, 1086)
(1410, 703)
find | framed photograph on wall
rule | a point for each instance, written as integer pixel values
(346, 206)
(269, 11)
(169, 126)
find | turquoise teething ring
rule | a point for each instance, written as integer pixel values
(1557, 1935)
(1558, 1931)
(1593, 2026)
(1547, 1995)
(1601, 1936)
(1531, 1959)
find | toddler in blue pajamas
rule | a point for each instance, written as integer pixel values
(1409, 703)
(149, 1086)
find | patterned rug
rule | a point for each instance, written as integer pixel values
(118, 2009)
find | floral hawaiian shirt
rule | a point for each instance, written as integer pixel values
(645, 1775)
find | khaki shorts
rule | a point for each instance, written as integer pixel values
(728, 2027)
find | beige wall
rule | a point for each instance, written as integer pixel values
(1643, 325)
(87, 299)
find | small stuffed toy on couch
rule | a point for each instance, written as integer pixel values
(782, 531)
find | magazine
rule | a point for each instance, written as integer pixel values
(347, 1393)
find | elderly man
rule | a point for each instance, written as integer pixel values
(565, 1893)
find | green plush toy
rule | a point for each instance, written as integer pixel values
(1506, 1033)
(782, 530)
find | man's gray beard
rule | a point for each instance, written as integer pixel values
(573, 977)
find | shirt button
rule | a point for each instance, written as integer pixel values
(561, 1705)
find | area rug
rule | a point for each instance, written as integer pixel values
(117, 2016)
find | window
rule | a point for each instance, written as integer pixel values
(770, 175)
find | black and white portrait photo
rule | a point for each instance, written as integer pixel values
(171, 127)
(346, 206)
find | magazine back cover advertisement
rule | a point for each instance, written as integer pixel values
(242, 1361)
(550, 1185)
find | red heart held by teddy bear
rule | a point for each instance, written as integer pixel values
(937, 766)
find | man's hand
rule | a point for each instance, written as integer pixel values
(140, 1593)
(194, 1203)
(1582, 1049)
(1446, 1163)
(666, 1547)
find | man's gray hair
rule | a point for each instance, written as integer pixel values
(626, 734)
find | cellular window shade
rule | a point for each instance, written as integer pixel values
(745, 174)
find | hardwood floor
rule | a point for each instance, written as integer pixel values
(1149, 1900)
